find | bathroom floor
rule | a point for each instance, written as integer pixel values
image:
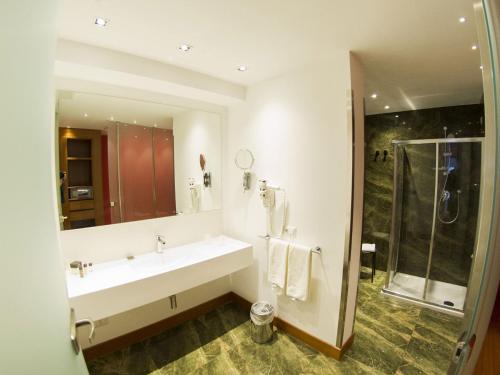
(391, 337)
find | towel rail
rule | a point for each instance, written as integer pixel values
(316, 250)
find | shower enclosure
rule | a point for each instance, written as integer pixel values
(434, 220)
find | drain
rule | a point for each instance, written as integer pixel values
(449, 303)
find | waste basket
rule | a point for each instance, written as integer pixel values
(261, 316)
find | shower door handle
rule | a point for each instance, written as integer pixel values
(463, 347)
(460, 349)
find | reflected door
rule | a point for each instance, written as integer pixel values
(163, 144)
(135, 153)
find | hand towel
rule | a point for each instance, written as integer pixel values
(299, 272)
(277, 262)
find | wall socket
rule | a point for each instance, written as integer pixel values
(292, 231)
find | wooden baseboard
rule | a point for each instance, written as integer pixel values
(319, 345)
(154, 329)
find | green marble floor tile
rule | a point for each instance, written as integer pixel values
(222, 364)
(322, 365)
(290, 357)
(410, 369)
(396, 332)
(132, 360)
(177, 349)
(185, 364)
(375, 352)
(391, 319)
(212, 333)
(429, 351)
(447, 326)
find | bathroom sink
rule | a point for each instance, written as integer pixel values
(156, 262)
(117, 286)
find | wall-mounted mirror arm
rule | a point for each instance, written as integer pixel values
(244, 160)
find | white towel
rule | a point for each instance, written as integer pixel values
(368, 247)
(277, 262)
(299, 272)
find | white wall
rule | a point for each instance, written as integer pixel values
(34, 308)
(195, 133)
(96, 64)
(296, 126)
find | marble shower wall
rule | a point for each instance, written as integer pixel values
(453, 242)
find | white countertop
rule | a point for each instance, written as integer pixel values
(121, 272)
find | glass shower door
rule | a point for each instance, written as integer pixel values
(457, 202)
(413, 205)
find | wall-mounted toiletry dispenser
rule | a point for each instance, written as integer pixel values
(207, 178)
(244, 160)
(194, 192)
(267, 194)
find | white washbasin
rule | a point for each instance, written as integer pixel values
(121, 285)
(154, 262)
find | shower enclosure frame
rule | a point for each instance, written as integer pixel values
(395, 233)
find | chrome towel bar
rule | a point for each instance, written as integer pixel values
(316, 250)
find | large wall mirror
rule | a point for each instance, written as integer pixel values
(122, 160)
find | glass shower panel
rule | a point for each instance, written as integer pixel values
(459, 167)
(395, 237)
(136, 172)
(415, 176)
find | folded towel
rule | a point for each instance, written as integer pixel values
(299, 272)
(369, 247)
(277, 262)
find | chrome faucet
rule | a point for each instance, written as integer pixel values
(160, 243)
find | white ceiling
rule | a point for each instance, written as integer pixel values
(72, 107)
(415, 52)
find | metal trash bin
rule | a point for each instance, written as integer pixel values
(261, 316)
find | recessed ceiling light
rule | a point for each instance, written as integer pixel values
(101, 22)
(387, 107)
(374, 96)
(396, 116)
(242, 68)
(185, 47)
(474, 47)
(85, 115)
(462, 19)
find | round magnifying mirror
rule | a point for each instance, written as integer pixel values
(244, 159)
